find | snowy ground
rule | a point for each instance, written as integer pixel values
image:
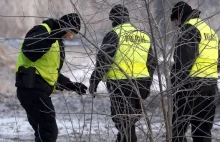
(74, 119)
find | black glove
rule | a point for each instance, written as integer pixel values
(79, 88)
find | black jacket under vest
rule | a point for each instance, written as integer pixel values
(110, 45)
(37, 42)
(185, 54)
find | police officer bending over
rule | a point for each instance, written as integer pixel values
(38, 73)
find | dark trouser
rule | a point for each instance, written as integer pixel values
(196, 108)
(125, 113)
(40, 114)
(125, 108)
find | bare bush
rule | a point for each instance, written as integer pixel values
(84, 118)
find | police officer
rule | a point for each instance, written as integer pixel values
(126, 64)
(38, 73)
(194, 75)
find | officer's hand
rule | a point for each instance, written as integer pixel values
(92, 89)
(79, 88)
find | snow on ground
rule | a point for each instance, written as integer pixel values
(75, 124)
(74, 111)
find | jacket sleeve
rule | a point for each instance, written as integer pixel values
(104, 57)
(61, 82)
(36, 43)
(151, 62)
(186, 52)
